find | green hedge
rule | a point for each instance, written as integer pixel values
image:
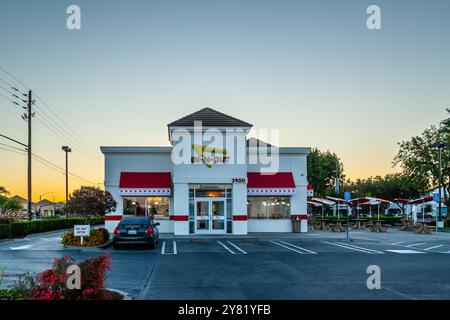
(5, 231)
(23, 228)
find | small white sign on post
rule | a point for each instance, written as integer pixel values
(82, 230)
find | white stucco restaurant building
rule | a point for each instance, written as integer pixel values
(212, 179)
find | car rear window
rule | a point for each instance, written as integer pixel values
(134, 220)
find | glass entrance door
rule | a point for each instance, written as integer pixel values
(202, 221)
(210, 216)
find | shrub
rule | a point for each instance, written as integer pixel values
(9, 204)
(23, 228)
(52, 283)
(9, 215)
(10, 295)
(5, 231)
(98, 236)
(19, 229)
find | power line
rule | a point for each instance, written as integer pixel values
(9, 99)
(13, 151)
(66, 133)
(7, 83)
(46, 162)
(7, 145)
(61, 133)
(15, 78)
(2, 87)
(69, 130)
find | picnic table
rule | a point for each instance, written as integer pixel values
(424, 227)
(337, 226)
(321, 224)
(359, 224)
(377, 226)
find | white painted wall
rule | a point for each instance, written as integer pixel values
(269, 225)
(165, 226)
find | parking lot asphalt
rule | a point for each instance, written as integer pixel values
(307, 267)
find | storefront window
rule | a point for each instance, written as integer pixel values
(158, 207)
(153, 207)
(134, 206)
(268, 207)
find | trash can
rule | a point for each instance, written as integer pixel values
(296, 225)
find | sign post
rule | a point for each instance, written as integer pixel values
(347, 197)
(81, 230)
(439, 223)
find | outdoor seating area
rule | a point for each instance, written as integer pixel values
(333, 214)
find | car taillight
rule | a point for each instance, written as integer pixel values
(149, 230)
(116, 230)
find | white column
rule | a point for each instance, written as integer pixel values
(180, 208)
(240, 208)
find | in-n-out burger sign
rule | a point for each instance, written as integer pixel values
(209, 160)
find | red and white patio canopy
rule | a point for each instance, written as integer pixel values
(145, 183)
(270, 184)
(421, 200)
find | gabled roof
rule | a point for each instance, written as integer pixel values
(209, 118)
(45, 202)
(253, 142)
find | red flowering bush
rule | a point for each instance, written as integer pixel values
(52, 283)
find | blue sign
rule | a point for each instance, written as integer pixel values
(436, 197)
(347, 195)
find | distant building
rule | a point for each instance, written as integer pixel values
(45, 207)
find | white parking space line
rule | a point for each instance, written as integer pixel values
(22, 247)
(174, 247)
(415, 244)
(396, 243)
(300, 248)
(231, 251)
(289, 248)
(231, 243)
(163, 248)
(430, 248)
(405, 251)
(355, 248)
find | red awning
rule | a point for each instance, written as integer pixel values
(145, 183)
(421, 200)
(279, 183)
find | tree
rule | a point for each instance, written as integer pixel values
(322, 171)
(388, 187)
(3, 191)
(420, 163)
(90, 202)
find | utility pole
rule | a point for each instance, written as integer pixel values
(29, 116)
(66, 149)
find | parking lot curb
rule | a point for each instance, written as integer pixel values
(125, 295)
(88, 249)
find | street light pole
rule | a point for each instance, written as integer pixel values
(440, 146)
(66, 149)
(440, 184)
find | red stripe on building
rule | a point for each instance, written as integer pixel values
(240, 218)
(179, 218)
(113, 218)
(303, 216)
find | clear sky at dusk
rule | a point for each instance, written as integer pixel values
(309, 68)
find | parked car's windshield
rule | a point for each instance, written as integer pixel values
(134, 220)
